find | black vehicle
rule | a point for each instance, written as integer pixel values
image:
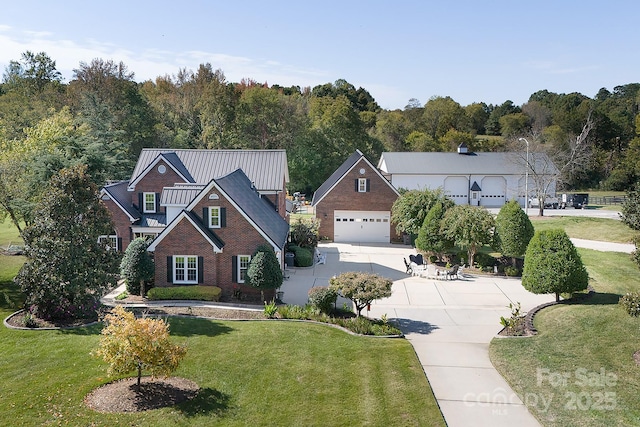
(577, 200)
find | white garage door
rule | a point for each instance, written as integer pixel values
(362, 226)
(494, 190)
(457, 189)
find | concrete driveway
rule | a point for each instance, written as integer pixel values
(449, 324)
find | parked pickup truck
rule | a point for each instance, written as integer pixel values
(549, 202)
(577, 200)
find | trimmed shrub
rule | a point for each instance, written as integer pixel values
(303, 257)
(631, 303)
(137, 268)
(483, 260)
(323, 298)
(511, 271)
(198, 293)
(304, 232)
(552, 265)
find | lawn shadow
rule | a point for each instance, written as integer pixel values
(594, 298)
(208, 401)
(183, 326)
(414, 326)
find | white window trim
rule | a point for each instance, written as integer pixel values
(113, 240)
(144, 203)
(239, 272)
(185, 269)
(362, 185)
(211, 208)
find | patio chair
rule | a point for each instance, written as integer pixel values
(453, 273)
(431, 272)
(409, 269)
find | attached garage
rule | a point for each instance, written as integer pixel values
(362, 226)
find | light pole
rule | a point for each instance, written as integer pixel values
(526, 178)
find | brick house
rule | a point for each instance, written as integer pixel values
(354, 203)
(207, 210)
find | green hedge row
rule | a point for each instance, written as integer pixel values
(200, 293)
(303, 256)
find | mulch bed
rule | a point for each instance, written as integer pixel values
(17, 320)
(124, 395)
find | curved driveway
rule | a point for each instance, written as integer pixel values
(449, 323)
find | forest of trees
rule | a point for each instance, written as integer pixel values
(103, 118)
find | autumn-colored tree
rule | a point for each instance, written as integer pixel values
(361, 288)
(128, 344)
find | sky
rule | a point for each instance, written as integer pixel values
(473, 51)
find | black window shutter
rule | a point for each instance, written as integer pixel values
(140, 202)
(223, 217)
(205, 217)
(200, 270)
(368, 185)
(234, 269)
(119, 244)
(357, 186)
(157, 202)
(169, 269)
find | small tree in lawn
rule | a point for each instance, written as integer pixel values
(513, 231)
(469, 227)
(552, 265)
(67, 269)
(361, 288)
(264, 270)
(128, 344)
(136, 267)
(431, 238)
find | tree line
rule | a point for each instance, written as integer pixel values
(103, 118)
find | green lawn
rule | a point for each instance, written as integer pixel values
(251, 373)
(9, 234)
(579, 369)
(606, 230)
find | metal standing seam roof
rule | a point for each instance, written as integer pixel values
(266, 168)
(435, 163)
(238, 187)
(179, 195)
(118, 192)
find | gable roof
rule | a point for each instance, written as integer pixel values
(267, 169)
(122, 198)
(209, 235)
(339, 173)
(258, 210)
(436, 163)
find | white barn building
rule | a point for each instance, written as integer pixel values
(478, 179)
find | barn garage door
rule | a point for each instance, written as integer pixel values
(362, 226)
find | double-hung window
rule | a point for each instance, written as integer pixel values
(243, 266)
(362, 185)
(185, 269)
(149, 202)
(214, 217)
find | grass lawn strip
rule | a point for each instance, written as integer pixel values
(251, 373)
(579, 369)
(601, 229)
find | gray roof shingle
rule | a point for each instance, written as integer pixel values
(119, 194)
(238, 187)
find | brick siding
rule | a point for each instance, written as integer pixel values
(344, 196)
